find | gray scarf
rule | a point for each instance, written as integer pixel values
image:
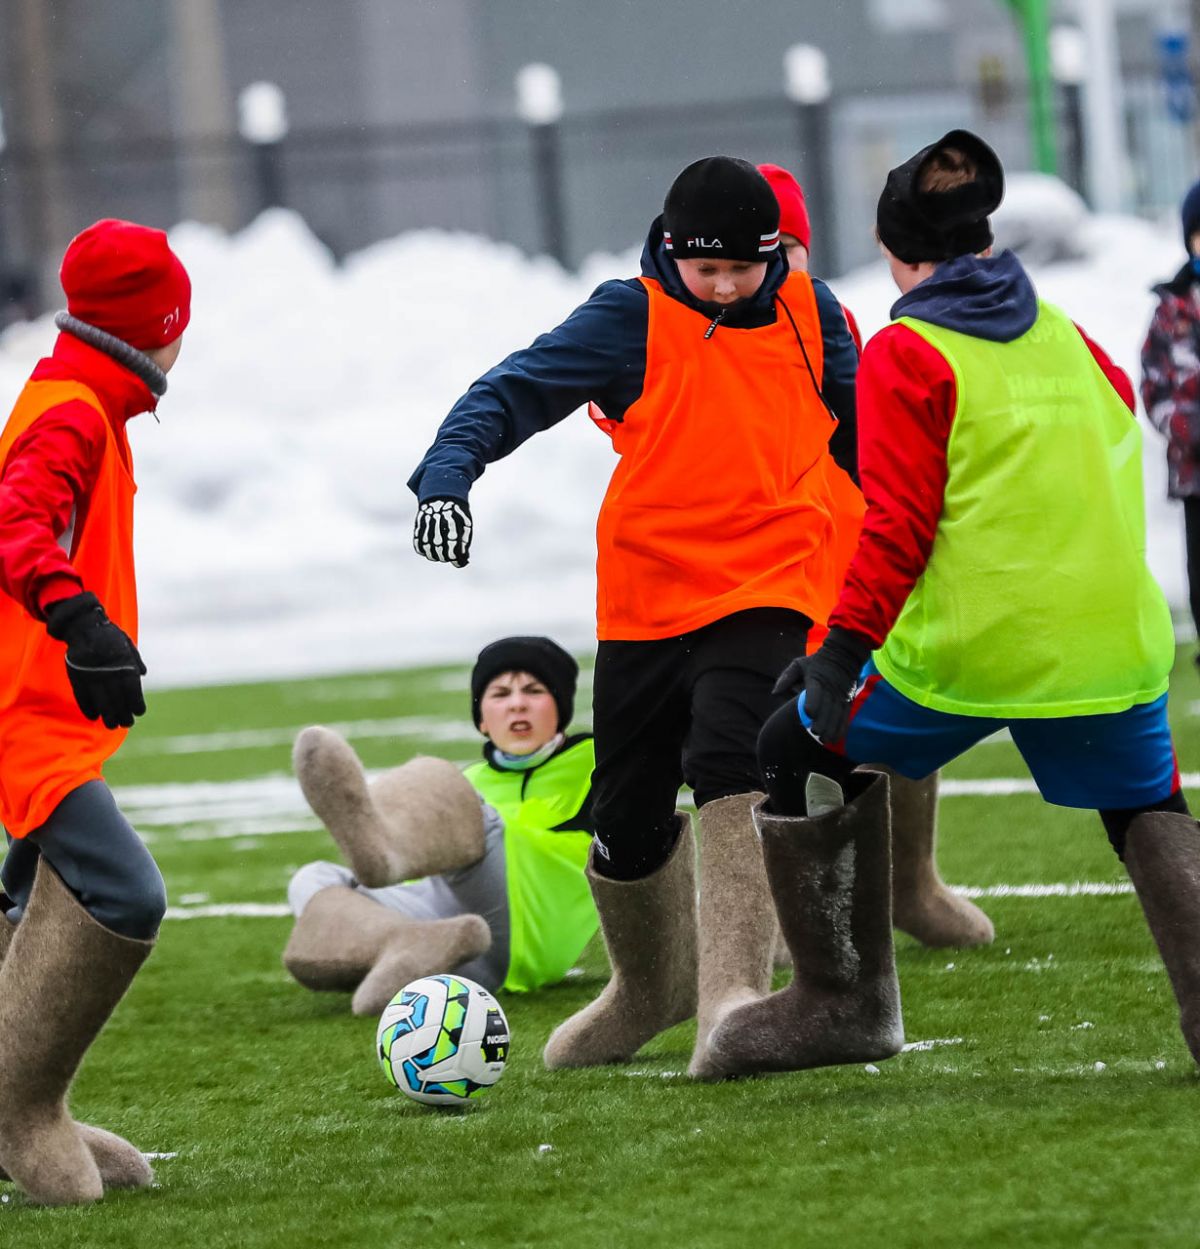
(137, 362)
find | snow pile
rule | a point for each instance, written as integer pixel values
(273, 521)
(1041, 219)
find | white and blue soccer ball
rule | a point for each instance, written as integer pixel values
(443, 1040)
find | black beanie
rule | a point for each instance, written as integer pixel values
(540, 657)
(917, 225)
(722, 208)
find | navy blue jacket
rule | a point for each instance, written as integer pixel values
(598, 354)
(988, 297)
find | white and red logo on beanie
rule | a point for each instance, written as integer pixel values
(124, 279)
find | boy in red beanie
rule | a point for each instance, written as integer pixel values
(922, 906)
(83, 898)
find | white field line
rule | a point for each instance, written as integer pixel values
(1073, 889)
(432, 728)
(273, 804)
(920, 1047)
(226, 910)
(1006, 786)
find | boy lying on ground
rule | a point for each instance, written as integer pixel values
(479, 873)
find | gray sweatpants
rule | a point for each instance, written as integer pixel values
(480, 889)
(103, 862)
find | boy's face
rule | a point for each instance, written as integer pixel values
(1194, 244)
(518, 713)
(794, 252)
(721, 281)
(904, 274)
(166, 356)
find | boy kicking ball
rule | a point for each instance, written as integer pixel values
(1000, 580)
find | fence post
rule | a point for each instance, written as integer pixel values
(16, 284)
(806, 84)
(1068, 63)
(3, 216)
(263, 124)
(540, 107)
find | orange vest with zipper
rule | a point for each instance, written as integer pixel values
(47, 747)
(726, 496)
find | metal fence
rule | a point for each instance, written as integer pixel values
(587, 183)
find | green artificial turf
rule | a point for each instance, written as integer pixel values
(1061, 1108)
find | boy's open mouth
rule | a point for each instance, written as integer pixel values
(519, 726)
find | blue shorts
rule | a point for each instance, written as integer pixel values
(1122, 760)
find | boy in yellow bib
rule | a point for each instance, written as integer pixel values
(1000, 580)
(479, 873)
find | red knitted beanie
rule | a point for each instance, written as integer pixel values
(793, 212)
(123, 278)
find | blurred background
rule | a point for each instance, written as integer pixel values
(379, 199)
(549, 123)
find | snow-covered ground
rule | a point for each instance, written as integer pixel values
(273, 520)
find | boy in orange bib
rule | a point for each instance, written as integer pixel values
(724, 535)
(83, 898)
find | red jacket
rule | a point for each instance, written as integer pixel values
(906, 403)
(49, 473)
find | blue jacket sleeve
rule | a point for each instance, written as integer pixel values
(598, 353)
(837, 383)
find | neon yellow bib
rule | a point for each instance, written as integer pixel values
(1037, 600)
(550, 908)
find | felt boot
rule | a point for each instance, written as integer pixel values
(831, 880)
(63, 976)
(121, 1165)
(416, 820)
(344, 941)
(922, 906)
(738, 927)
(649, 928)
(1162, 856)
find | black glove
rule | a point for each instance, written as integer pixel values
(103, 665)
(442, 531)
(829, 680)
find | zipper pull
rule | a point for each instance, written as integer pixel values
(712, 329)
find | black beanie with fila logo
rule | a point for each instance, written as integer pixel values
(721, 208)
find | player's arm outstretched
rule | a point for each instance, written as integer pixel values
(532, 390)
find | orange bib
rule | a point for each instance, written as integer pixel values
(47, 747)
(726, 496)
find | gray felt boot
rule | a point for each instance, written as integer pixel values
(738, 927)
(121, 1165)
(416, 820)
(1162, 856)
(922, 906)
(63, 976)
(831, 880)
(649, 928)
(347, 942)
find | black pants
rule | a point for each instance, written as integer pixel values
(101, 860)
(682, 709)
(788, 754)
(1191, 533)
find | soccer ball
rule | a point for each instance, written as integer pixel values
(443, 1040)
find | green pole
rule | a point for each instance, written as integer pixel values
(1034, 16)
